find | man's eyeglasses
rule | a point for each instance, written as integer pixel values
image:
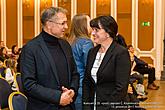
(62, 24)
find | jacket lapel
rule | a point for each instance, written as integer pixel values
(92, 58)
(66, 56)
(107, 57)
(49, 57)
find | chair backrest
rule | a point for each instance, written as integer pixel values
(5, 91)
(17, 101)
(2, 71)
(18, 82)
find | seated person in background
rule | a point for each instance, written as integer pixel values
(18, 60)
(144, 68)
(15, 52)
(140, 89)
(133, 101)
(2, 44)
(10, 72)
(3, 54)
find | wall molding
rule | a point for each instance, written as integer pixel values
(93, 9)
(158, 35)
(114, 9)
(37, 17)
(20, 23)
(3, 21)
(73, 8)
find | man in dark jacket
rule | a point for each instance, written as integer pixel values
(49, 73)
(144, 68)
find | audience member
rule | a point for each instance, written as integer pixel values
(144, 68)
(18, 60)
(15, 53)
(3, 54)
(2, 44)
(10, 72)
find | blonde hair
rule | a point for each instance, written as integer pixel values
(78, 28)
(10, 63)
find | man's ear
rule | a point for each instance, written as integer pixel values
(48, 25)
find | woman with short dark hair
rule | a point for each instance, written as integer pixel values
(108, 67)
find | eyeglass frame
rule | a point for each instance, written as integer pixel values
(62, 24)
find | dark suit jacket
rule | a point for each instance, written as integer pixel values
(39, 75)
(112, 78)
(139, 62)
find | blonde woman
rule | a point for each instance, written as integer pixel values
(81, 43)
(10, 72)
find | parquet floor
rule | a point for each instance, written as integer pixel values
(156, 98)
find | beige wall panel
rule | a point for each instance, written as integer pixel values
(43, 5)
(124, 6)
(67, 5)
(28, 21)
(148, 60)
(145, 33)
(28, 28)
(11, 23)
(125, 27)
(83, 6)
(28, 8)
(103, 7)
(124, 19)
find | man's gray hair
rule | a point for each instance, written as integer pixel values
(49, 13)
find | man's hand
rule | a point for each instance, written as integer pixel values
(67, 96)
(150, 66)
(72, 93)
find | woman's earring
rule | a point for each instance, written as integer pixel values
(107, 35)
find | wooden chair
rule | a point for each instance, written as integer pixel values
(2, 71)
(18, 82)
(17, 101)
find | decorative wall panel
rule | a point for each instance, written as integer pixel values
(83, 6)
(103, 7)
(145, 25)
(28, 20)
(124, 19)
(11, 23)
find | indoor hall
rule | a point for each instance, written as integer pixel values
(141, 22)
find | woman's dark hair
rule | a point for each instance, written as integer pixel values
(108, 23)
(120, 40)
(1, 51)
(129, 46)
(12, 49)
